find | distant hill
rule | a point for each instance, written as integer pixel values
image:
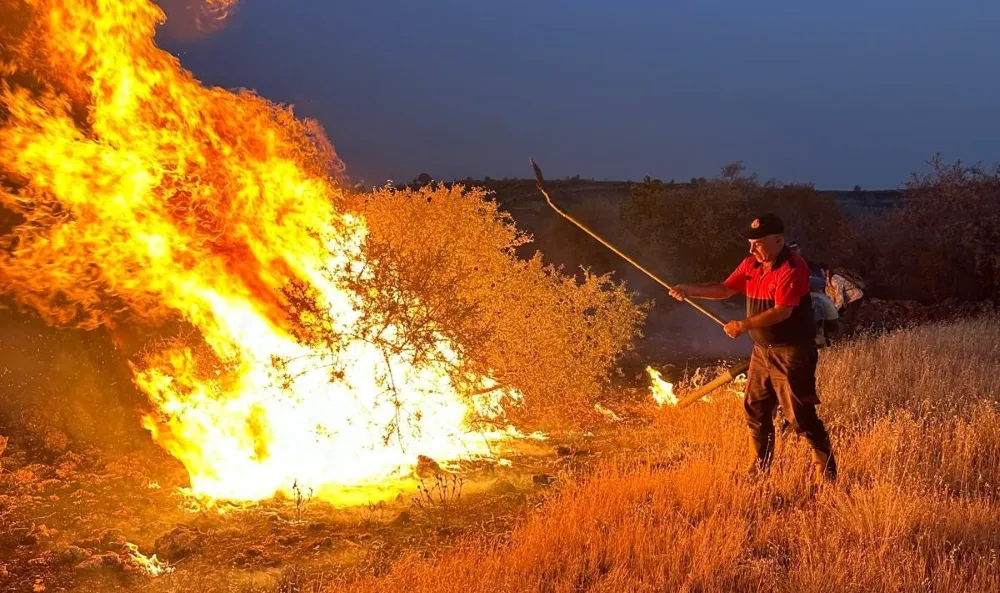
(519, 196)
(858, 203)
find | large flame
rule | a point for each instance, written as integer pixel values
(140, 190)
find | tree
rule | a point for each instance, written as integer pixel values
(446, 272)
(692, 231)
(943, 241)
(674, 226)
(733, 172)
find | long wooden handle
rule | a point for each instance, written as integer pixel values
(541, 187)
(714, 384)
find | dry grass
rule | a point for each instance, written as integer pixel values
(915, 420)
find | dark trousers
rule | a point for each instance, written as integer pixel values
(849, 317)
(785, 375)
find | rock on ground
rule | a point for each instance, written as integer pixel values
(178, 543)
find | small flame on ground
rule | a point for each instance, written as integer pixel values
(147, 565)
(663, 391)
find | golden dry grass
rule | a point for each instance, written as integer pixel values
(915, 421)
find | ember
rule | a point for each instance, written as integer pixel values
(142, 191)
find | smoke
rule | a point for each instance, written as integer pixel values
(678, 331)
(188, 20)
(63, 389)
(674, 331)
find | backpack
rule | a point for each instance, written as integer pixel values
(854, 277)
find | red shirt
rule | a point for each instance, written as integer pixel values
(785, 284)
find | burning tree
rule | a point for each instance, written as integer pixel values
(337, 337)
(446, 268)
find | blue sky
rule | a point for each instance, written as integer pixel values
(832, 93)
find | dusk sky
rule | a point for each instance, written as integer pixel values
(835, 93)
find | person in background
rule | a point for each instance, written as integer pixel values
(817, 282)
(842, 286)
(828, 325)
(845, 289)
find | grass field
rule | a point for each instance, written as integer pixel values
(916, 426)
(658, 501)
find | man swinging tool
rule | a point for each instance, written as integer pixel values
(783, 363)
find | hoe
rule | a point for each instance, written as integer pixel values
(697, 394)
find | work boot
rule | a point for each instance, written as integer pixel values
(761, 452)
(824, 468)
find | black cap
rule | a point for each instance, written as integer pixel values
(764, 225)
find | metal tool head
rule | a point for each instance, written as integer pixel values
(538, 172)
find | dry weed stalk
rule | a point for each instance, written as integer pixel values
(441, 495)
(301, 498)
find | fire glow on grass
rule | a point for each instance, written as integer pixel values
(143, 191)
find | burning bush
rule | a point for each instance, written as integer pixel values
(446, 269)
(131, 192)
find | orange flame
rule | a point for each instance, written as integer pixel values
(139, 190)
(662, 391)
